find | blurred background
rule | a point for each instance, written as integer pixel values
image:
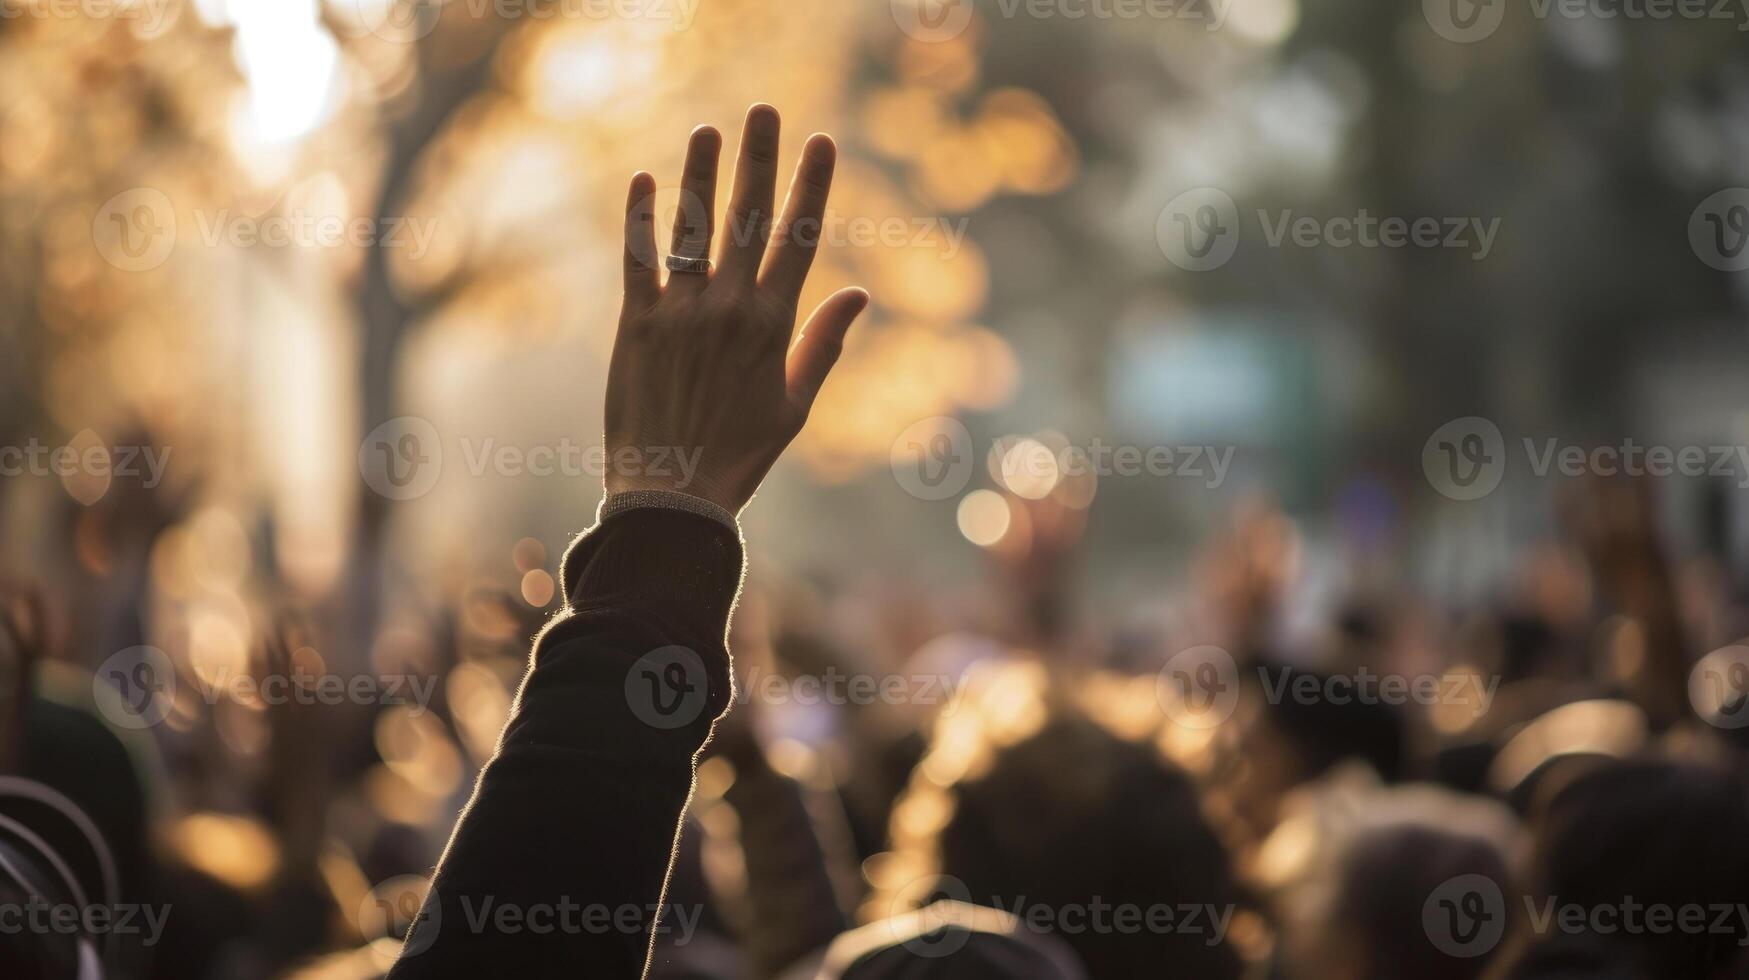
(305, 307)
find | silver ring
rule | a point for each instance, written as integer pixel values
(677, 264)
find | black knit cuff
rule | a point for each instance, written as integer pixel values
(619, 503)
(685, 565)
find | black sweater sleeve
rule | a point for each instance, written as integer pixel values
(559, 862)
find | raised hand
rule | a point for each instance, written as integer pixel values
(703, 369)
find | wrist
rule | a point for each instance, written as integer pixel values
(621, 501)
(693, 485)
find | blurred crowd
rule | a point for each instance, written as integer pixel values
(1550, 782)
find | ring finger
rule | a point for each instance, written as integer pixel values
(695, 221)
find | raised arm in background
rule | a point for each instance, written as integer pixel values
(576, 814)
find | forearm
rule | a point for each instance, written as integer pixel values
(574, 818)
(580, 806)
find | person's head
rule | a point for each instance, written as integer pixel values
(1103, 843)
(1358, 893)
(948, 941)
(1292, 739)
(1647, 834)
(1382, 891)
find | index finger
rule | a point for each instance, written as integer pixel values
(797, 235)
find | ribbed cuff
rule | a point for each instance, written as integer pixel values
(679, 562)
(619, 503)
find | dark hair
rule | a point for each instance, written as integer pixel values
(1074, 816)
(1324, 732)
(1383, 886)
(974, 956)
(1659, 833)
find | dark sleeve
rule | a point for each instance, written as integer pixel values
(559, 862)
